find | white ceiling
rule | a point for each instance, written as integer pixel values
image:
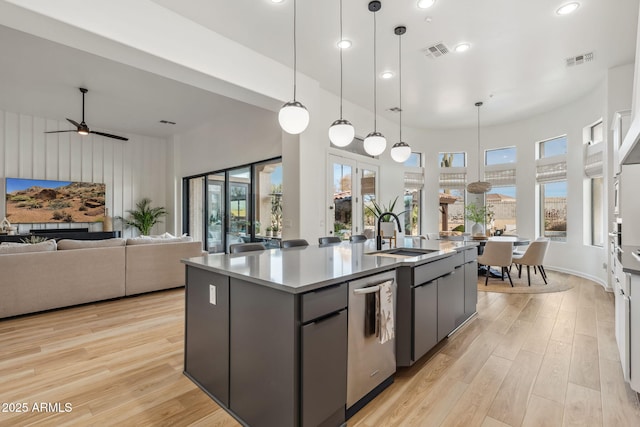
(516, 63)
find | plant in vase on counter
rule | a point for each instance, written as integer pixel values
(387, 227)
(478, 215)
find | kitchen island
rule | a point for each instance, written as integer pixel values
(269, 334)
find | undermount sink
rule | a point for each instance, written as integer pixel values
(403, 252)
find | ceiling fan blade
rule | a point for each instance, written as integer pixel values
(73, 122)
(108, 135)
(60, 131)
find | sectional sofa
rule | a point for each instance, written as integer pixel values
(49, 275)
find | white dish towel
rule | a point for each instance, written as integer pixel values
(385, 312)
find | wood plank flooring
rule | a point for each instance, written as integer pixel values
(524, 360)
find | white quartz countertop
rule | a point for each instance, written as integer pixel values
(301, 269)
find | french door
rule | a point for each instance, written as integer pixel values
(352, 186)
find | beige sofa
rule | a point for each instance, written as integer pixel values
(74, 272)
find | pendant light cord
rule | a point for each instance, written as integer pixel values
(375, 95)
(341, 48)
(479, 157)
(400, 79)
(294, 51)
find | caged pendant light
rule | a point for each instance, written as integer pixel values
(479, 187)
(375, 142)
(401, 151)
(293, 116)
(341, 132)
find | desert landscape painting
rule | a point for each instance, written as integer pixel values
(41, 201)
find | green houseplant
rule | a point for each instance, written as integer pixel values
(144, 217)
(378, 211)
(478, 215)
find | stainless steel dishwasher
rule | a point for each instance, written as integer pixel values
(370, 364)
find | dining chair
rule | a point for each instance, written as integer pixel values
(357, 238)
(237, 248)
(294, 242)
(327, 240)
(533, 256)
(497, 254)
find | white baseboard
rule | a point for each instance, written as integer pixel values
(597, 280)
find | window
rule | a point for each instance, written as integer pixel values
(235, 205)
(501, 199)
(451, 197)
(414, 160)
(413, 184)
(593, 170)
(551, 177)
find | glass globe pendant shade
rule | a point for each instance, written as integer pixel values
(341, 133)
(400, 152)
(293, 117)
(375, 143)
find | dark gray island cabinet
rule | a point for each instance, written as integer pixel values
(270, 337)
(433, 300)
(270, 358)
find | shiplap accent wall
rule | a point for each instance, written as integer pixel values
(131, 170)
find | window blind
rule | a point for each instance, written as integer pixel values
(594, 163)
(551, 169)
(500, 175)
(413, 181)
(453, 178)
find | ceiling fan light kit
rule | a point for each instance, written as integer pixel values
(293, 116)
(82, 128)
(479, 187)
(341, 132)
(375, 143)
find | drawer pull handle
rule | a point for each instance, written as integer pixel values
(369, 290)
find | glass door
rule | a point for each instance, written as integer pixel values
(216, 211)
(238, 206)
(352, 187)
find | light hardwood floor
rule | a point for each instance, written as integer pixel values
(525, 360)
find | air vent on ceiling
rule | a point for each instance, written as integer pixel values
(167, 122)
(436, 50)
(395, 109)
(579, 59)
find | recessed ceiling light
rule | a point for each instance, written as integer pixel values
(277, 1)
(386, 74)
(425, 4)
(462, 47)
(568, 8)
(344, 44)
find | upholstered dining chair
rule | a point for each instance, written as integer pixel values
(294, 242)
(497, 254)
(533, 257)
(245, 247)
(327, 240)
(357, 238)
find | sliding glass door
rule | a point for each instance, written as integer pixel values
(238, 205)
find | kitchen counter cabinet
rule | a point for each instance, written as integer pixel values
(450, 302)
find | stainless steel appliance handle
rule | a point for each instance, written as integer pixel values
(369, 290)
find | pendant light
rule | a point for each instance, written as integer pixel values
(375, 142)
(293, 116)
(401, 151)
(479, 187)
(341, 132)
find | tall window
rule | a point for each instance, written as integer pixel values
(593, 170)
(451, 197)
(551, 177)
(413, 185)
(501, 200)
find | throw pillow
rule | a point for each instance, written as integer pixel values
(19, 248)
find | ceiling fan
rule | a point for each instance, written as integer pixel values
(82, 128)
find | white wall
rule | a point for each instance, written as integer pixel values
(131, 170)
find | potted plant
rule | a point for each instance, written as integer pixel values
(269, 231)
(477, 215)
(387, 227)
(144, 217)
